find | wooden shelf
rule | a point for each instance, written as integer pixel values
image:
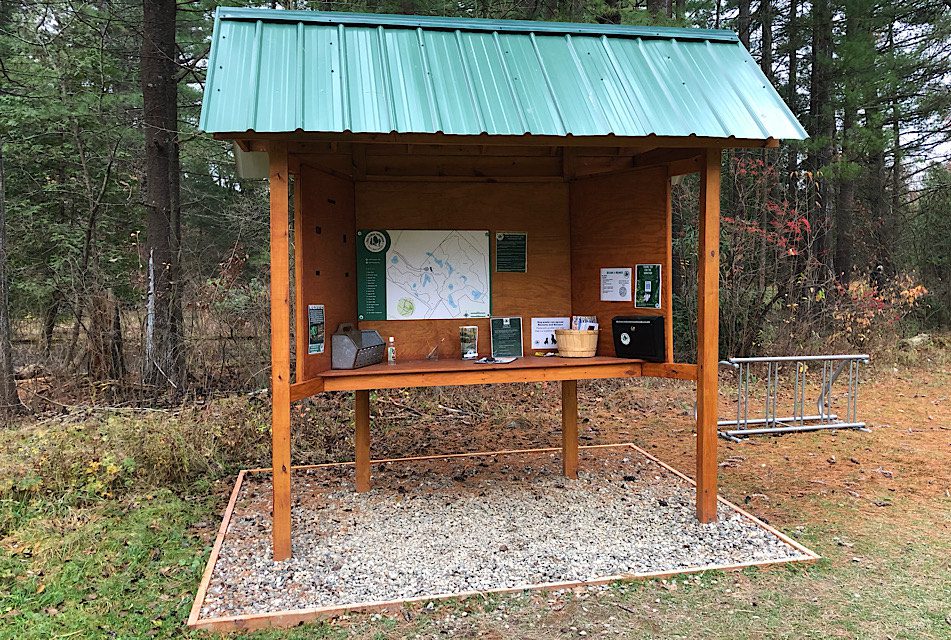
(447, 372)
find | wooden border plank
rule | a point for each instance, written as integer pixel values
(195, 612)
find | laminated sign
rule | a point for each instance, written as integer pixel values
(422, 275)
(315, 329)
(647, 295)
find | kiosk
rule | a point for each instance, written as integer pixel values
(565, 135)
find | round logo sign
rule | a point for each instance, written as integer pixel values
(375, 241)
(625, 339)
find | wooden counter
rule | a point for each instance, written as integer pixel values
(447, 372)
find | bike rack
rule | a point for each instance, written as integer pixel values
(832, 367)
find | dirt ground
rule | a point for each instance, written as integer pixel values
(109, 515)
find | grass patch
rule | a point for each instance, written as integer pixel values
(121, 568)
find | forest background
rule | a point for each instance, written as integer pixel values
(135, 263)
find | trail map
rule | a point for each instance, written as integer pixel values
(417, 275)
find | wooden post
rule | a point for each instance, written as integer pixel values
(569, 428)
(361, 414)
(667, 276)
(708, 335)
(280, 356)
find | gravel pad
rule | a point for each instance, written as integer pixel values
(476, 523)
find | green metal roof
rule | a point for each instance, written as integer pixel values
(284, 71)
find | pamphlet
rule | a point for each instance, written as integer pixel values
(584, 322)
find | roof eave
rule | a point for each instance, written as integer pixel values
(691, 141)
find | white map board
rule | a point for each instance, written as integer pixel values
(423, 275)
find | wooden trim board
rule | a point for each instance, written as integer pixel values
(432, 373)
(290, 618)
(195, 612)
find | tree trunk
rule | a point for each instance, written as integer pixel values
(9, 400)
(49, 324)
(163, 353)
(821, 120)
(766, 25)
(792, 96)
(845, 204)
(894, 218)
(612, 12)
(681, 10)
(743, 23)
(657, 8)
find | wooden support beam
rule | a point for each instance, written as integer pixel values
(300, 317)
(569, 158)
(361, 415)
(664, 156)
(683, 167)
(708, 287)
(569, 428)
(359, 162)
(280, 355)
(667, 278)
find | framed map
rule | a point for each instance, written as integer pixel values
(423, 275)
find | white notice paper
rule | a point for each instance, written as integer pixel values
(616, 284)
(543, 331)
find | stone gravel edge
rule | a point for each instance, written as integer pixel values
(290, 618)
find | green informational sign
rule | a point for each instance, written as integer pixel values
(647, 286)
(506, 337)
(511, 252)
(371, 274)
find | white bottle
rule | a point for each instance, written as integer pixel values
(391, 352)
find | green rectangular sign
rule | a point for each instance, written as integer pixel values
(506, 337)
(511, 252)
(647, 286)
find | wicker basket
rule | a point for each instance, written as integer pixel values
(573, 343)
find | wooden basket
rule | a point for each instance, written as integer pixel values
(573, 343)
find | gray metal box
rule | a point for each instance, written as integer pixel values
(352, 348)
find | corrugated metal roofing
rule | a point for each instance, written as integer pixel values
(282, 71)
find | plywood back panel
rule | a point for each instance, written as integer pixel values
(539, 209)
(617, 221)
(326, 260)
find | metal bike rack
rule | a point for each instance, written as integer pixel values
(832, 367)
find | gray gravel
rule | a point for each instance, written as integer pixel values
(476, 523)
